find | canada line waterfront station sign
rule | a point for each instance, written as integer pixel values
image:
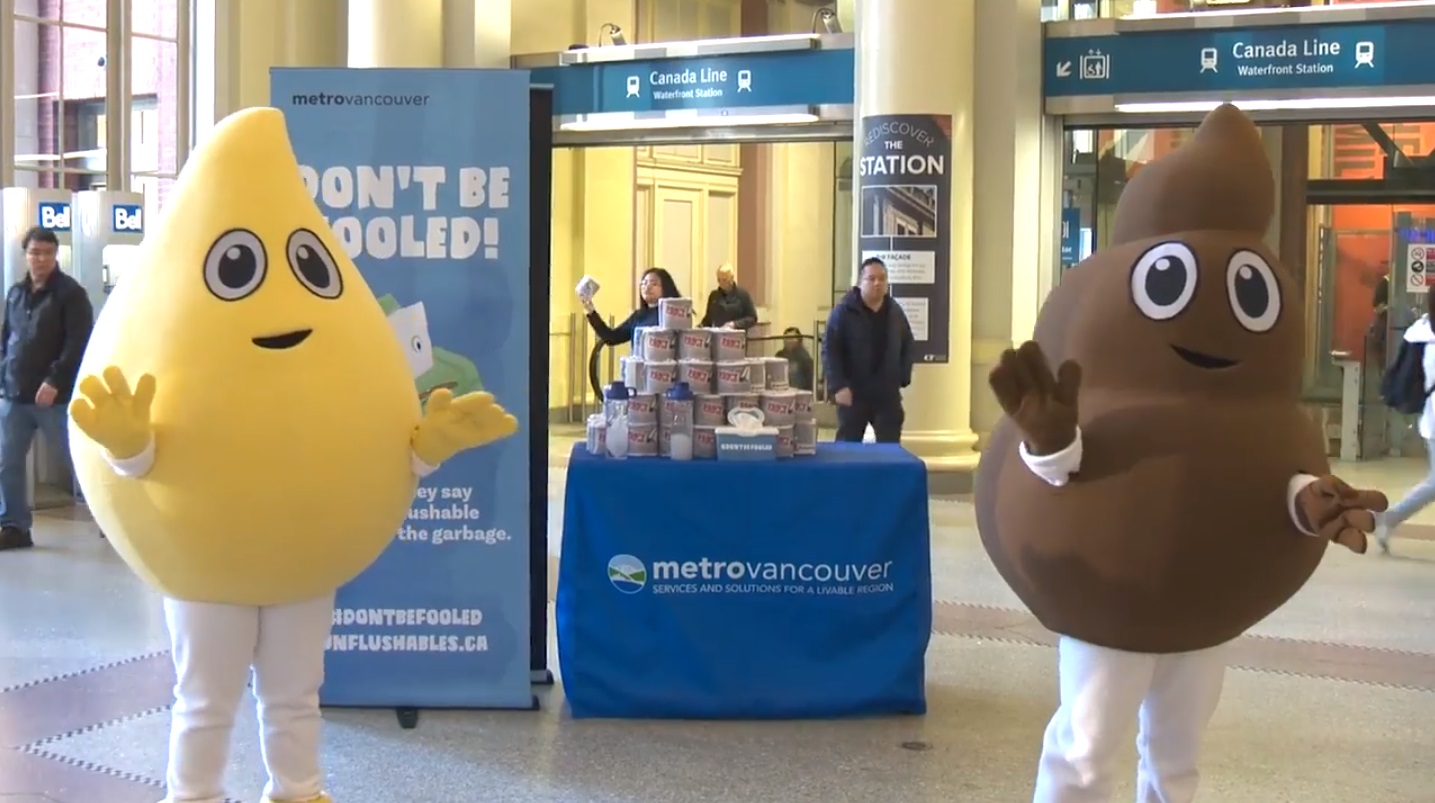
(1210, 60)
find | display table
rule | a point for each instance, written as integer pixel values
(791, 589)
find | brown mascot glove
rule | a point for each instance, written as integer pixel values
(1337, 512)
(1041, 403)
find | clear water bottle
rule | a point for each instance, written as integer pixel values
(615, 418)
(677, 421)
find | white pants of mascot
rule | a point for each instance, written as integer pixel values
(215, 649)
(1169, 698)
(1104, 692)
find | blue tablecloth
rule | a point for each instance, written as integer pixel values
(792, 589)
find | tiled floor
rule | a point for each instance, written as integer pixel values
(1333, 700)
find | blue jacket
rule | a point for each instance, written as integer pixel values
(847, 350)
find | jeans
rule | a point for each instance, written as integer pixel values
(1418, 498)
(18, 423)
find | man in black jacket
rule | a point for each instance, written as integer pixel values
(47, 323)
(729, 306)
(867, 355)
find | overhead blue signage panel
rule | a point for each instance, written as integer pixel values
(746, 81)
(1225, 60)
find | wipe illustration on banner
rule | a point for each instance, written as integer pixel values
(433, 208)
(904, 187)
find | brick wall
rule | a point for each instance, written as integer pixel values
(76, 58)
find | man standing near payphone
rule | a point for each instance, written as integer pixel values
(47, 323)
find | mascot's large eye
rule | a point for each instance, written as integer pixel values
(1255, 294)
(1164, 281)
(314, 265)
(235, 265)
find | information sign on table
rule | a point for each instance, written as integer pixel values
(786, 589)
(423, 175)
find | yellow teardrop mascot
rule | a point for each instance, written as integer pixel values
(252, 441)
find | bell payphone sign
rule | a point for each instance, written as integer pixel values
(127, 219)
(53, 215)
(1418, 267)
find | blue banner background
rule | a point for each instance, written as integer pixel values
(786, 78)
(1171, 60)
(477, 326)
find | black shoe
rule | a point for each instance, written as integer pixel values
(15, 538)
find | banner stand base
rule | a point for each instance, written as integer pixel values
(408, 718)
(541, 677)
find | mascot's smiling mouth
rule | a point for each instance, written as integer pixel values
(288, 340)
(1200, 360)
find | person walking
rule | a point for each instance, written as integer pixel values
(1419, 335)
(867, 355)
(47, 324)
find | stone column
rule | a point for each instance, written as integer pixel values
(916, 57)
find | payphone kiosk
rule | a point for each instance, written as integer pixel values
(21, 209)
(109, 228)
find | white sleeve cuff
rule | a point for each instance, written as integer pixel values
(1298, 484)
(1055, 468)
(421, 469)
(133, 467)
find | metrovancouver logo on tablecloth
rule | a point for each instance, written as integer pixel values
(630, 575)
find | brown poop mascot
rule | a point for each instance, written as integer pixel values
(1161, 491)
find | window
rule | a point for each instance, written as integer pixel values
(63, 109)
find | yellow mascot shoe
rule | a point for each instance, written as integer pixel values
(281, 404)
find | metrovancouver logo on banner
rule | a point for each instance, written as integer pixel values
(630, 575)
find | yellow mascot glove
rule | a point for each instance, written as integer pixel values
(451, 425)
(112, 415)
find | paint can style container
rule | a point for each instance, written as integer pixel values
(804, 438)
(695, 344)
(643, 409)
(643, 440)
(659, 345)
(634, 372)
(710, 411)
(729, 345)
(698, 374)
(734, 376)
(757, 374)
(704, 443)
(739, 401)
(785, 447)
(778, 408)
(802, 406)
(597, 435)
(661, 374)
(776, 373)
(675, 314)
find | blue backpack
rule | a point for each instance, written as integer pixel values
(1403, 387)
